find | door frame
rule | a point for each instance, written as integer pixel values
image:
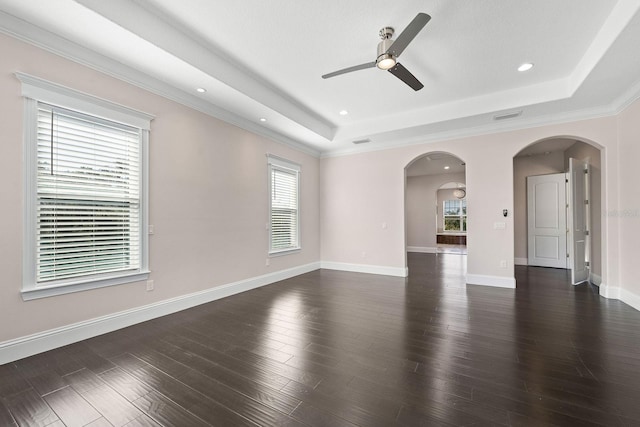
(600, 179)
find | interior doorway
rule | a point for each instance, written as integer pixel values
(451, 218)
(563, 177)
(435, 204)
(547, 220)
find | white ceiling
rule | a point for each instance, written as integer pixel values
(547, 146)
(436, 164)
(263, 59)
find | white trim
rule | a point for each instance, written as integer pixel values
(475, 131)
(47, 340)
(29, 33)
(283, 163)
(496, 281)
(521, 261)
(69, 50)
(34, 91)
(614, 292)
(422, 249)
(630, 298)
(609, 292)
(365, 268)
(289, 167)
(62, 96)
(29, 189)
(83, 284)
(595, 279)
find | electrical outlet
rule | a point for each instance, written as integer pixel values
(149, 285)
(267, 262)
(151, 229)
(503, 264)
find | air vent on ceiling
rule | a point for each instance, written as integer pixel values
(362, 141)
(506, 116)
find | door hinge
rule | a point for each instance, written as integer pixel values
(566, 180)
(586, 171)
(567, 255)
(586, 202)
(586, 263)
(586, 233)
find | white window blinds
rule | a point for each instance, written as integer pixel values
(284, 212)
(88, 198)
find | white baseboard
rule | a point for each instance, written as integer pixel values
(595, 279)
(497, 281)
(365, 268)
(47, 340)
(521, 261)
(615, 292)
(630, 298)
(610, 292)
(421, 249)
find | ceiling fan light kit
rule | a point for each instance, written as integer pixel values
(385, 60)
(389, 50)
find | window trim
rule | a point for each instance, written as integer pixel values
(462, 216)
(36, 90)
(289, 166)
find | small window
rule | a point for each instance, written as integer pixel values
(455, 215)
(284, 218)
(85, 196)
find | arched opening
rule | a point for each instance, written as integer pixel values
(451, 218)
(435, 204)
(578, 201)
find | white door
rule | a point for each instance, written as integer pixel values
(547, 220)
(578, 175)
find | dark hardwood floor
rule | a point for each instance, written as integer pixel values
(333, 348)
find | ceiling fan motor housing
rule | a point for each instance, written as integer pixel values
(385, 60)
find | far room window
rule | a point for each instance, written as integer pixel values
(455, 215)
(284, 213)
(86, 196)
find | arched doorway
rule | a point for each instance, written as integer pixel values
(434, 181)
(546, 158)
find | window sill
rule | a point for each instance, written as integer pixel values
(284, 252)
(82, 285)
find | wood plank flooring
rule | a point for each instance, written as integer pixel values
(333, 348)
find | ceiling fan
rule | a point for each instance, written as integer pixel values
(389, 50)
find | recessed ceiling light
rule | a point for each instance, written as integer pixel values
(446, 167)
(201, 90)
(525, 67)
(344, 112)
(262, 119)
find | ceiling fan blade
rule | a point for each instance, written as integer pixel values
(350, 69)
(409, 33)
(403, 74)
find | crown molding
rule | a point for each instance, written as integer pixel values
(50, 42)
(168, 34)
(491, 128)
(67, 49)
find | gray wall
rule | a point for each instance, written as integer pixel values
(421, 203)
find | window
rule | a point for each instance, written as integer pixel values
(86, 192)
(455, 215)
(284, 219)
